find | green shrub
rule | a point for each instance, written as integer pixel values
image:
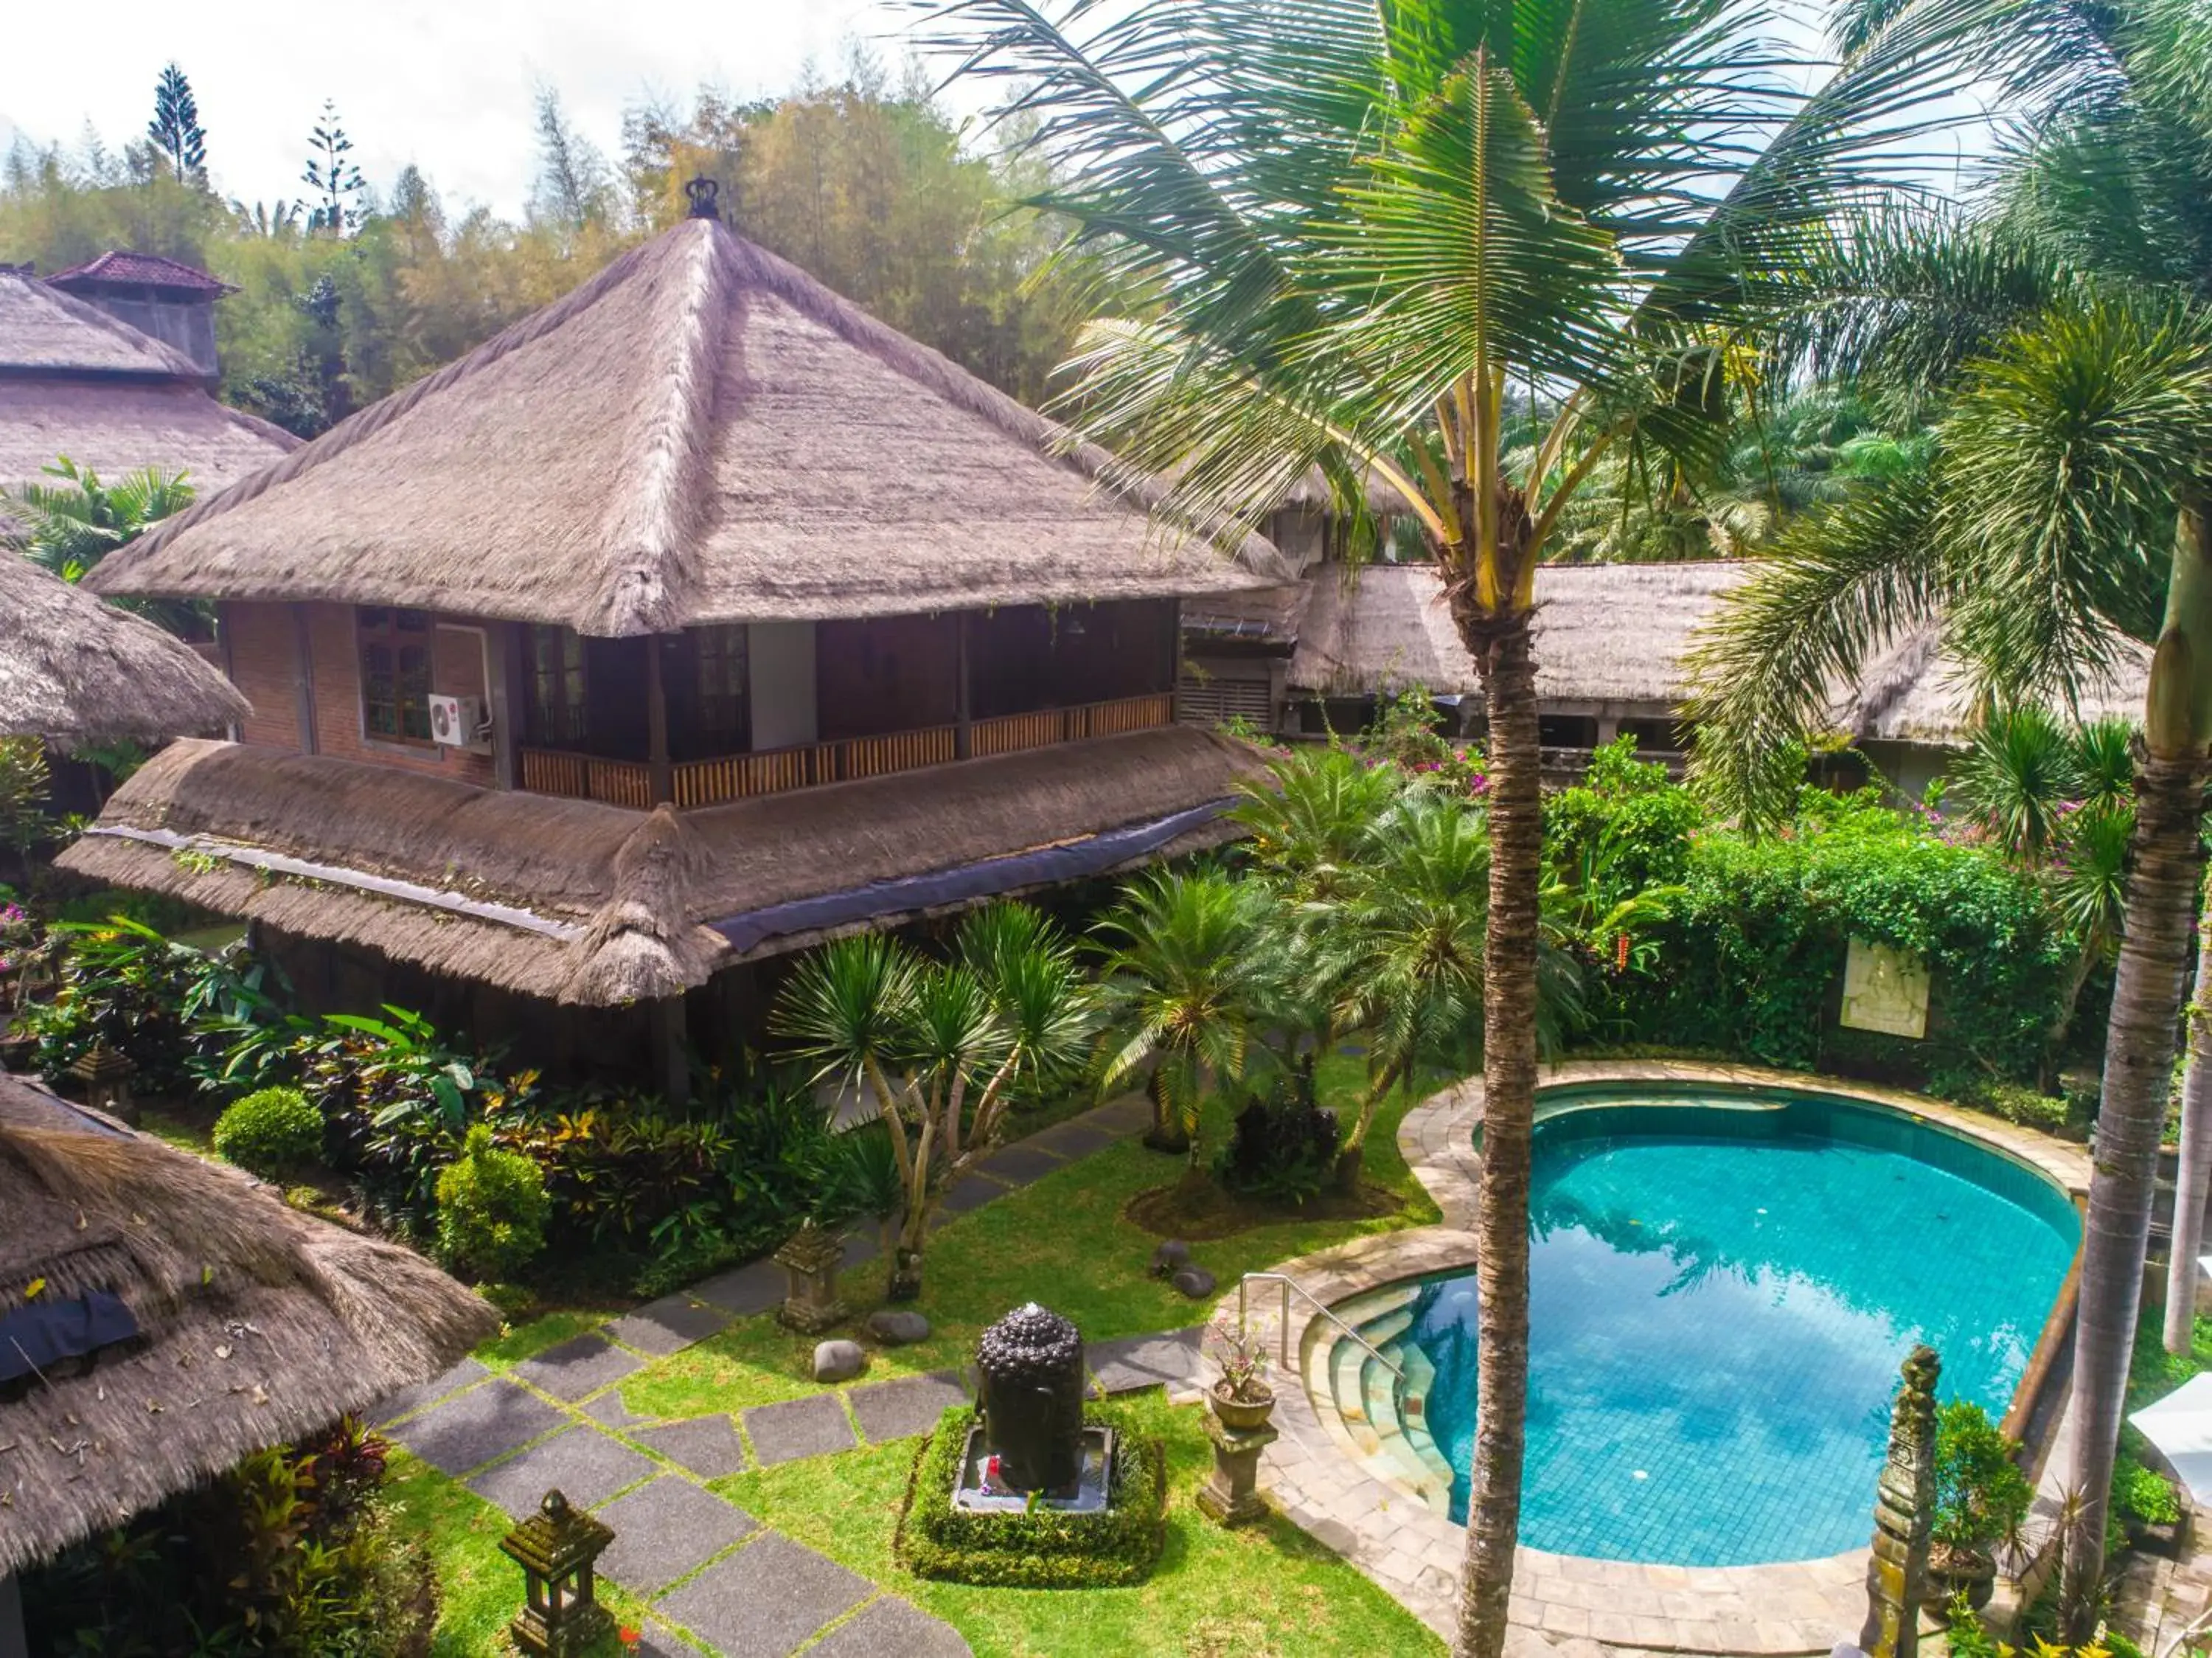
(1981, 1495)
(1284, 1146)
(2143, 1495)
(2016, 1102)
(492, 1208)
(1042, 1550)
(270, 1133)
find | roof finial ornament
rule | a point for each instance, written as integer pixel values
(702, 193)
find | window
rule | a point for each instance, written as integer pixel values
(557, 706)
(395, 672)
(719, 653)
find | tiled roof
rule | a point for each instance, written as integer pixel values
(138, 269)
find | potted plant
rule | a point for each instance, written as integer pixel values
(1981, 1500)
(2149, 1508)
(1241, 1398)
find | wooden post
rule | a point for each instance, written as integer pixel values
(303, 689)
(509, 698)
(1175, 659)
(963, 716)
(672, 1067)
(656, 715)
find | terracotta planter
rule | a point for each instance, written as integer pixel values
(1241, 1415)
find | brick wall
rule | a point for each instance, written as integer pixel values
(264, 666)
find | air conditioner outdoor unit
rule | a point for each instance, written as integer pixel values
(458, 721)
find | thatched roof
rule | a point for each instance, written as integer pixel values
(75, 669)
(117, 427)
(122, 268)
(1266, 615)
(578, 902)
(1912, 690)
(47, 333)
(701, 433)
(255, 1324)
(1605, 633)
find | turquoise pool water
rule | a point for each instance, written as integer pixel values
(1720, 1299)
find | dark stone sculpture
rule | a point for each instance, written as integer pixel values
(1030, 1362)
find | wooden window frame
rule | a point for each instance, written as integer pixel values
(402, 717)
(558, 688)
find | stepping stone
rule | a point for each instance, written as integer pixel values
(766, 1599)
(469, 1430)
(969, 1193)
(891, 1628)
(1019, 1164)
(1072, 1139)
(814, 1426)
(1136, 1361)
(583, 1464)
(389, 1410)
(707, 1446)
(668, 1326)
(668, 1529)
(908, 1407)
(743, 1290)
(582, 1364)
(610, 1409)
(1122, 1117)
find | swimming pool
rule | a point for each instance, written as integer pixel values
(1722, 1289)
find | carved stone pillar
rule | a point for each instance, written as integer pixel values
(1903, 1508)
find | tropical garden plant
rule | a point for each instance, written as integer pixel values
(1379, 233)
(1186, 980)
(941, 1046)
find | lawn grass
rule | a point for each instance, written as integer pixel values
(1262, 1591)
(479, 1588)
(1063, 1241)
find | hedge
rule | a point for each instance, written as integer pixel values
(1044, 1549)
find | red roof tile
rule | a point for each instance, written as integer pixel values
(138, 269)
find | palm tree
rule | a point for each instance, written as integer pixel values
(1306, 821)
(70, 527)
(1366, 224)
(1186, 980)
(942, 1046)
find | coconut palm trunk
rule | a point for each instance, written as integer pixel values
(2194, 1162)
(2148, 995)
(1509, 1077)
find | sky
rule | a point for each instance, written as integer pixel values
(449, 87)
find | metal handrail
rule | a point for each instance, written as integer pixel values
(1290, 1286)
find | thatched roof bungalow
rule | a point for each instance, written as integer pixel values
(697, 617)
(162, 1317)
(74, 669)
(77, 380)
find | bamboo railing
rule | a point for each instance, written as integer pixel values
(778, 770)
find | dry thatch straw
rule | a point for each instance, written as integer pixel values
(255, 1324)
(44, 332)
(700, 433)
(74, 669)
(1915, 691)
(1605, 633)
(593, 905)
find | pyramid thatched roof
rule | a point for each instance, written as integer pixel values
(1913, 691)
(44, 332)
(701, 433)
(579, 902)
(1605, 633)
(254, 1324)
(75, 669)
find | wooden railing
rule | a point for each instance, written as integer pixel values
(777, 771)
(618, 783)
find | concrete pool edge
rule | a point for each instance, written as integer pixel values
(1317, 1475)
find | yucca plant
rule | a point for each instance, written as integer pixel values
(941, 1046)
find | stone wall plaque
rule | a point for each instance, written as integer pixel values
(1885, 990)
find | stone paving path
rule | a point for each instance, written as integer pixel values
(704, 1565)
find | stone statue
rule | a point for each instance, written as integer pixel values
(1904, 1509)
(1030, 1362)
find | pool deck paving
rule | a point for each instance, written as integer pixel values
(1569, 1606)
(722, 1581)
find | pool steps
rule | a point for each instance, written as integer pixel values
(1381, 1412)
